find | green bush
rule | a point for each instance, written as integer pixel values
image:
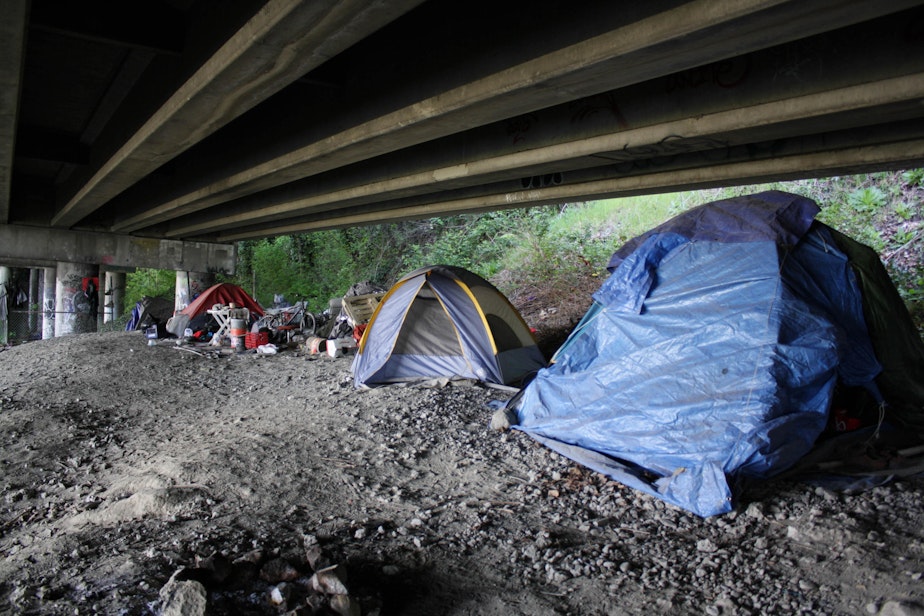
(148, 283)
(550, 246)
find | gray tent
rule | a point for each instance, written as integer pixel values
(443, 321)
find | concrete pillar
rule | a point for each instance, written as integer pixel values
(72, 306)
(35, 276)
(48, 302)
(6, 275)
(114, 296)
(189, 285)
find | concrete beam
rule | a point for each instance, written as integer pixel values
(284, 40)
(44, 247)
(844, 95)
(12, 49)
(781, 166)
(686, 36)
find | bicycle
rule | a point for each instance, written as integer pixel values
(295, 316)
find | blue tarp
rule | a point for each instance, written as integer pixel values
(707, 359)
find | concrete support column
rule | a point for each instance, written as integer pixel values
(48, 302)
(35, 277)
(72, 305)
(189, 285)
(6, 275)
(114, 296)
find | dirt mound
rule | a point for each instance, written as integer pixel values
(553, 310)
(132, 474)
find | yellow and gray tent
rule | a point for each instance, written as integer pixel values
(445, 322)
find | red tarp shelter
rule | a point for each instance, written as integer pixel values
(223, 293)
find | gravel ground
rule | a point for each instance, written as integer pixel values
(146, 480)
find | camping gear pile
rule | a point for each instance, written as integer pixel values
(714, 354)
(353, 311)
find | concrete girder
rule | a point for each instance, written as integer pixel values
(775, 166)
(684, 37)
(12, 49)
(692, 111)
(38, 246)
(284, 40)
(764, 107)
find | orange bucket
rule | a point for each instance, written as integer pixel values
(238, 328)
(317, 345)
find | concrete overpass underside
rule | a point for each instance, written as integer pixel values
(213, 122)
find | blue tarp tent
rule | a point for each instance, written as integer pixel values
(710, 355)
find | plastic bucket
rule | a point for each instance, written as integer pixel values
(238, 327)
(316, 345)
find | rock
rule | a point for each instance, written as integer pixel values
(503, 419)
(317, 558)
(329, 581)
(807, 585)
(754, 511)
(706, 546)
(253, 556)
(183, 598)
(278, 595)
(901, 608)
(344, 606)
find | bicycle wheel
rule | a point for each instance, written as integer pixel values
(273, 321)
(309, 324)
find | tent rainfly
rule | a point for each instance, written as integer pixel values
(445, 322)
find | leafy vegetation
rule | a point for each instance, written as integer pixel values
(537, 254)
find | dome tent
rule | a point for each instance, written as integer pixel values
(713, 353)
(443, 321)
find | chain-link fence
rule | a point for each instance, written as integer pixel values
(27, 325)
(24, 325)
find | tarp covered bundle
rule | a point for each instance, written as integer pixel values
(445, 322)
(149, 311)
(711, 353)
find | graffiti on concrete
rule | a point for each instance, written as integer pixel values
(518, 127)
(74, 307)
(599, 104)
